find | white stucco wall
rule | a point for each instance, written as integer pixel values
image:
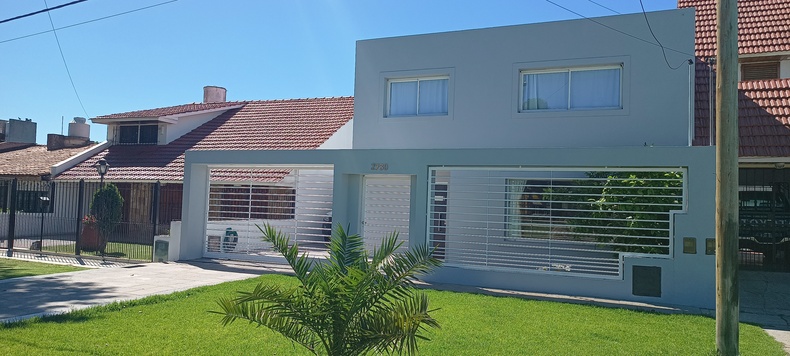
(686, 279)
(483, 68)
(784, 69)
(342, 138)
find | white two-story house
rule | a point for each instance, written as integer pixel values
(552, 157)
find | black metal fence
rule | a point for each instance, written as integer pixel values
(54, 217)
(764, 213)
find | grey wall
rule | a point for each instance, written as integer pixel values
(686, 279)
(483, 66)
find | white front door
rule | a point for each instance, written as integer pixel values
(386, 209)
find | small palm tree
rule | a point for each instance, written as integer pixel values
(352, 304)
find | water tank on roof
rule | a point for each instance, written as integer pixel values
(213, 94)
(18, 130)
(79, 128)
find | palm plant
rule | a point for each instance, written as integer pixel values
(351, 304)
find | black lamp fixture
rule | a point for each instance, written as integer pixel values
(102, 166)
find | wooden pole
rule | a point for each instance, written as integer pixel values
(727, 298)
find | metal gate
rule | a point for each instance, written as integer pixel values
(764, 214)
(387, 207)
(576, 221)
(295, 201)
(54, 217)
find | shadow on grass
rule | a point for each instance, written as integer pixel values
(11, 272)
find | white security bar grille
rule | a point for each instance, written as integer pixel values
(562, 220)
(297, 202)
(387, 207)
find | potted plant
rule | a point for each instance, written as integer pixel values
(89, 239)
(106, 207)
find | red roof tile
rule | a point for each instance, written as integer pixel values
(763, 105)
(763, 26)
(259, 125)
(34, 161)
(170, 110)
(13, 146)
(763, 117)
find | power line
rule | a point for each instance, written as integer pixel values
(656, 38)
(40, 11)
(64, 61)
(604, 7)
(89, 21)
(611, 28)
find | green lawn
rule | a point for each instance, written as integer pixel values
(15, 268)
(113, 249)
(179, 324)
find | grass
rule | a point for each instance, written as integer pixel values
(180, 324)
(113, 249)
(15, 268)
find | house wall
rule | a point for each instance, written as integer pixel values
(342, 138)
(686, 279)
(784, 69)
(484, 82)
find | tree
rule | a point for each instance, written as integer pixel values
(351, 304)
(635, 205)
(107, 208)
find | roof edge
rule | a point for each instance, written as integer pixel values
(174, 117)
(62, 166)
(764, 160)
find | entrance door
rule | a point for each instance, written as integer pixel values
(387, 207)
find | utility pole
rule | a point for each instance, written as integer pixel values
(727, 297)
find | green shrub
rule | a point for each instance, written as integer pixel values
(107, 208)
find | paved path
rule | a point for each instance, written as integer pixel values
(765, 299)
(63, 292)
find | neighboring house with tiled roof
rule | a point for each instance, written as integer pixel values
(23, 175)
(146, 148)
(13, 146)
(26, 166)
(764, 87)
(763, 119)
(34, 161)
(298, 124)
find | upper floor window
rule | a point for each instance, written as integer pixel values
(760, 70)
(138, 134)
(418, 96)
(571, 89)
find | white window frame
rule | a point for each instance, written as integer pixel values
(522, 77)
(390, 81)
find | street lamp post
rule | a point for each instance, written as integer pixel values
(43, 208)
(101, 167)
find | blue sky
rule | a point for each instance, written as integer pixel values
(258, 50)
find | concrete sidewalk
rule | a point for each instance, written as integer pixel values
(765, 297)
(63, 292)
